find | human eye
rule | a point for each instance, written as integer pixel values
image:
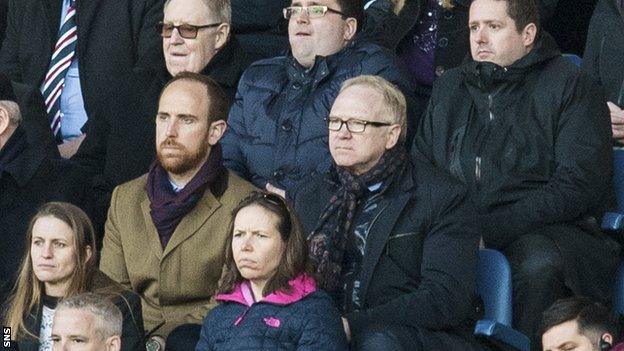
(37, 242)
(237, 234)
(55, 339)
(162, 116)
(317, 10)
(188, 120)
(356, 125)
(473, 27)
(295, 10)
(60, 244)
(494, 26)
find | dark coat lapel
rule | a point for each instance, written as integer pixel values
(85, 13)
(381, 229)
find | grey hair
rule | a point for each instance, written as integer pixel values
(108, 319)
(220, 10)
(394, 103)
(15, 116)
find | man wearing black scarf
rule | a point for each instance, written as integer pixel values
(166, 229)
(390, 236)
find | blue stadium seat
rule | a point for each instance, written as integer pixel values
(575, 59)
(494, 287)
(614, 221)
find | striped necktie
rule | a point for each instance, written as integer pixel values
(62, 57)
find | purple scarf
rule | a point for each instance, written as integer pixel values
(168, 208)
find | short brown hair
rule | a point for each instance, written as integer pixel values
(523, 12)
(218, 103)
(353, 9)
(294, 260)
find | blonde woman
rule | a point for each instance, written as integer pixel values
(59, 262)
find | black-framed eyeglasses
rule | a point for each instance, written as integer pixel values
(353, 125)
(314, 11)
(187, 31)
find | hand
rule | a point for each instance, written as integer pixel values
(275, 190)
(398, 6)
(347, 329)
(617, 122)
(70, 147)
(158, 339)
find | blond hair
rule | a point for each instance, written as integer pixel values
(394, 104)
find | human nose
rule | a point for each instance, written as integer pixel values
(303, 17)
(480, 36)
(171, 128)
(247, 245)
(176, 38)
(343, 131)
(47, 250)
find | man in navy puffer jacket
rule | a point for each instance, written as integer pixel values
(277, 134)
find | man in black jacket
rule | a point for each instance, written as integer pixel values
(394, 244)
(529, 135)
(28, 179)
(603, 59)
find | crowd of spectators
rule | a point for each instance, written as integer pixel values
(304, 174)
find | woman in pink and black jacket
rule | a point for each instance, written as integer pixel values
(268, 299)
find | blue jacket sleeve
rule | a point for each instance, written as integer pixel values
(323, 329)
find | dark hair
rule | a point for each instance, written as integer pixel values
(294, 260)
(593, 318)
(353, 8)
(218, 103)
(523, 12)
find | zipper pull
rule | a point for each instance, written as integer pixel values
(478, 168)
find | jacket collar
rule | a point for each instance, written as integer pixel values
(301, 286)
(323, 66)
(486, 74)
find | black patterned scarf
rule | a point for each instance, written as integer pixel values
(329, 240)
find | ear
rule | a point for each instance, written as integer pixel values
(528, 35)
(113, 343)
(5, 120)
(223, 33)
(394, 132)
(350, 28)
(217, 128)
(607, 338)
(88, 253)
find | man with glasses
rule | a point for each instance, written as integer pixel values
(389, 234)
(120, 145)
(276, 130)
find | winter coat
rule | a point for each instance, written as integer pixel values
(604, 52)
(304, 319)
(276, 128)
(532, 143)
(419, 269)
(531, 140)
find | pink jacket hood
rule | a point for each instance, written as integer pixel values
(302, 286)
